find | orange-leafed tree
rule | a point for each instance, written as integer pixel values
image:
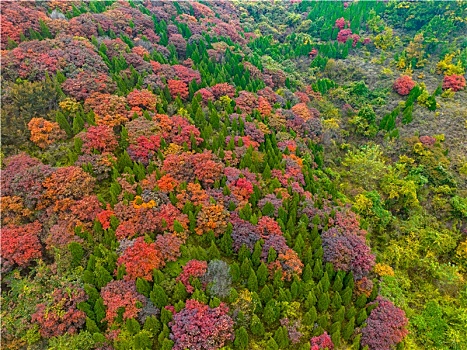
(44, 132)
(140, 259)
(212, 217)
(178, 88)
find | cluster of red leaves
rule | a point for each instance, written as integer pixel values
(188, 167)
(246, 101)
(20, 244)
(140, 259)
(206, 95)
(99, 139)
(192, 269)
(104, 217)
(385, 327)
(454, 82)
(344, 35)
(199, 326)
(403, 85)
(322, 342)
(117, 294)
(109, 109)
(144, 149)
(341, 23)
(241, 189)
(141, 100)
(45, 133)
(17, 19)
(347, 251)
(268, 226)
(223, 89)
(169, 245)
(178, 88)
(212, 217)
(137, 221)
(182, 132)
(187, 75)
(32, 60)
(62, 316)
(427, 140)
(302, 110)
(85, 83)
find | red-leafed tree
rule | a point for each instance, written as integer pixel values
(182, 132)
(169, 245)
(62, 315)
(347, 251)
(99, 138)
(20, 244)
(201, 327)
(180, 44)
(142, 99)
(140, 259)
(144, 149)
(344, 35)
(385, 326)
(454, 82)
(23, 176)
(207, 168)
(192, 269)
(206, 95)
(121, 294)
(403, 85)
(187, 75)
(85, 83)
(246, 101)
(341, 23)
(322, 342)
(17, 18)
(178, 88)
(223, 89)
(109, 109)
(268, 226)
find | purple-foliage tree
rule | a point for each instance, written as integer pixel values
(347, 251)
(274, 241)
(243, 232)
(386, 326)
(200, 327)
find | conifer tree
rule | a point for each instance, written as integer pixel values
(256, 326)
(241, 338)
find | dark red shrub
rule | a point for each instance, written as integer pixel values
(200, 327)
(386, 326)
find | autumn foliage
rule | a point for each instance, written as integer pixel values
(63, 315)
(403, 85)
(121, 294)
(20, 244)
(454, 82)
(199, 326)
(386, 326)
(44, 132)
